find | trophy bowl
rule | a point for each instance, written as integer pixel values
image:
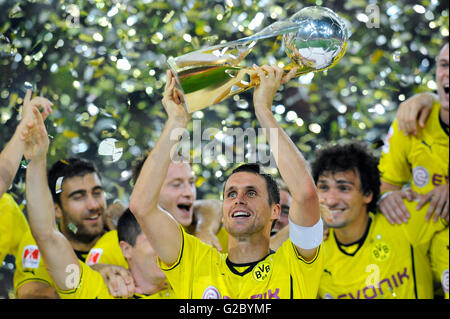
(315, 39)
(320, 40)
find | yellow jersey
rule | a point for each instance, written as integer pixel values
(422, 160)
(439, 259)
(91, 285)
(29, 263)
(222, 236)
(107, 251)
(390, 261)
(202, 272)
(13, 225)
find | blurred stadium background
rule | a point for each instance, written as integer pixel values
(103, 62)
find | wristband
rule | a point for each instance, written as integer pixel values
(383, 197)
(306, 237)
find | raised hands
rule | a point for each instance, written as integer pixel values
(11, 155)
(173, 101)
(35, 136)
(271, 77)
(38, 102)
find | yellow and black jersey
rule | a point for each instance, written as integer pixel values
(389, 261)
(30, 265)
(91, 285)
(13, 225)
(201, 272)
(107, 251)
(422, 160)
(439, 257)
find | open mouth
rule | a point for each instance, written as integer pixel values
(446, 88)
(184, 207)
(240, 214)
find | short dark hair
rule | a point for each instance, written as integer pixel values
(128, 229)
(67, 168)
(353, 156)
(272, 186)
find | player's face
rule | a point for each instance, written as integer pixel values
(341, 194)
(285, 203)
(83, 205)
(178, 192)
(442, 77)
(246, 208)
(144, 257)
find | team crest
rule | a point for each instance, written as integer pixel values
(31, 257)
(381, 251)
(262, 271)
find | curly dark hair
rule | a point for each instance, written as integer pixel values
(353, 156)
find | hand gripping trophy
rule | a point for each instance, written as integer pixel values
(314, 38)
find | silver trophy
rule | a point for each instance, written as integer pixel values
(314, 38)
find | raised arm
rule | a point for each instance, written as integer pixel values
(59, 257)
(293, 167)
(12, 154)
(160, 228)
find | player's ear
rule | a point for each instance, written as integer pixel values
(276, 211)
(126, 249)
(58, 211)
(368, 197)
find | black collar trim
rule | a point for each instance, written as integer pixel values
(359, 242)
(81, 255)
(232, 266)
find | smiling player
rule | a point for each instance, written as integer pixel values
(251, 204)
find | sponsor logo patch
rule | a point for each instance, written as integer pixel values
(420, 176)
(444, 281)
(94, 256)
(211, 292)
(31, 257)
